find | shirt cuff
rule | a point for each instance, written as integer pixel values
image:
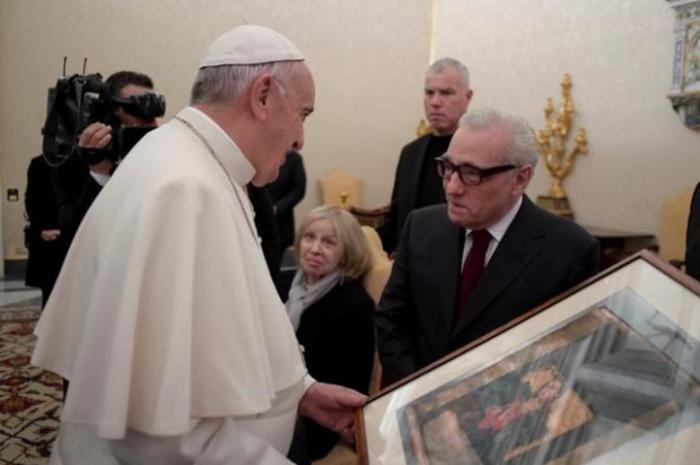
(308, 381)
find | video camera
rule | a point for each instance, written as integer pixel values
(80, 100)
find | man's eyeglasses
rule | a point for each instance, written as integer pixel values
(469, 174)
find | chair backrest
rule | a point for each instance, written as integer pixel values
(371, 217)
(337, 186)
(674, 223)
(376, 278)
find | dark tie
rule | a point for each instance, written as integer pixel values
(473, 268)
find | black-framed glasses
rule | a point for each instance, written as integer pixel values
(468, 174)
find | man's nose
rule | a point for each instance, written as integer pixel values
(299, 143)
(453, 184)
(435, 100)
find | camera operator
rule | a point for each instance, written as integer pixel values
(80, 178)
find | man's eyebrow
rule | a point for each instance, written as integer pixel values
(443, 90)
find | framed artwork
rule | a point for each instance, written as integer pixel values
(607, 373)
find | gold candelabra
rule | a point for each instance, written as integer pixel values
(423, 128)
(551, 143)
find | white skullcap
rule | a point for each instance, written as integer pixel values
(251, 45)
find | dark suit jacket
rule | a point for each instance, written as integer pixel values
(287, 191)
(405, 191)
(540, 256)
(692, 241)
(76, 190)
(267, 227)
(40, 204)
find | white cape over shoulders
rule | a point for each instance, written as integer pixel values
(164, 310)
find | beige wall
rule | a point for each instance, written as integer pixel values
(367, 57)
(619, 54)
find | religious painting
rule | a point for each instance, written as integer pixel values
(615, 377)
(574, 390)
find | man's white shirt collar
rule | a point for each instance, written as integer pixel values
(499, 228)
(497, 231)
(100, 178)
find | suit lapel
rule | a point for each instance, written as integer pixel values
(521, 243)
(447, 258)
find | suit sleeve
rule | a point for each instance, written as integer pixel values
(75, 213)
(267, 227)
(33, 203)
(395, 316)
(298, 186)
(68, 180)
(388, 230)
(586, 266)
(692, 250)
(75, 191)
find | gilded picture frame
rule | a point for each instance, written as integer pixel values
(608, 372)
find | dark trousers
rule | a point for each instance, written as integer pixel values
(311, 442)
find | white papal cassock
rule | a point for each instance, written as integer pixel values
(164, 317)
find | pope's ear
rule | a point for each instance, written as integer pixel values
(260, 95)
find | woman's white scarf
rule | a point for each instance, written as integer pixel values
(302, 295)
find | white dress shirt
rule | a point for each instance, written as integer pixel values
(497, 231)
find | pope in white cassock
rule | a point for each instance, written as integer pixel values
(164, 318)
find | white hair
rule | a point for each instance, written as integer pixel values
(225, 83)
(444, 63)
(522, 149)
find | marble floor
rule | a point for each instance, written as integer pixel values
(14, 295)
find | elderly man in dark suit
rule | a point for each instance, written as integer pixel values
(489, 255)
(446, 97)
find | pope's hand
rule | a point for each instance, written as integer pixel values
(332, 406)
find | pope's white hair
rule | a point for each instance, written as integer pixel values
(522, 149)
(226, 83)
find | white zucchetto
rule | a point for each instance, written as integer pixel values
(251, 45)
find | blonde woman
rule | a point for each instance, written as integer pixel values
(330, 310)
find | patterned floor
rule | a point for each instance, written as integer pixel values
(30, 398)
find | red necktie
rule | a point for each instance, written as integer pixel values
(473, 268)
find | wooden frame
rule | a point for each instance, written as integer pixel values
(608, 372)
